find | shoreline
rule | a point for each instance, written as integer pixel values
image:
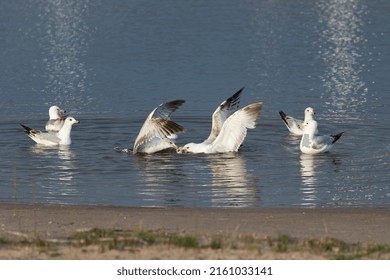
(58, 224)
(349, 224)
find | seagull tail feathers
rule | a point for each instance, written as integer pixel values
(284, 117)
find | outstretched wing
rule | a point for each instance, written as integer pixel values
(235, 128)
(222, 113)
(158, 126)
(165, 110)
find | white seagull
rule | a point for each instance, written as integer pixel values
(61, 137)
(315, 144)
(158, 131)
(296, 126)
(222, 113)
(228, 129)
(56, 119)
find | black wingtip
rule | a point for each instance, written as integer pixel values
(237, 94)
(240, 90)
(337, 137)
(174, 105)
(233, 101)
(26, 128)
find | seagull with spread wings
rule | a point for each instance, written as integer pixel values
(158, 132)
(229, 127)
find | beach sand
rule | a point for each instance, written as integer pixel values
(22, 226)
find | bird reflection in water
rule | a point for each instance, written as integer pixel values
(196, 180)
(232, 184)
(309, 180)
(57, 173)
(314, 174)
(160, 174)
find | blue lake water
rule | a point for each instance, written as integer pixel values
(110, 63)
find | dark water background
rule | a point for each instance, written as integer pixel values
(109, 63)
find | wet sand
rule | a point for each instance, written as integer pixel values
(370, 226)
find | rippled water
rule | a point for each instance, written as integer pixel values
(110, 63)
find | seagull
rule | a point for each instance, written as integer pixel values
(296, 126)
(158, 132)
(56, 119)
(62, 137)
(228, 129)
(220, 115)
(315, 144)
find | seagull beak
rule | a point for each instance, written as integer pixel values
(77, 121)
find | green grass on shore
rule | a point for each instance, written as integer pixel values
(281, 246)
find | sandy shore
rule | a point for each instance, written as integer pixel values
(27, 222)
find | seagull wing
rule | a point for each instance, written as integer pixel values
(235, 128)
(222, 113)
(158, 126)
(41, 137)
(165, 110)
(324, 142)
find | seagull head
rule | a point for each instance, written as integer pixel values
(55, 112)
(309, 113)
(71, 121)
(188, 148)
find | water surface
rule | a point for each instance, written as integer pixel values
(110, 63)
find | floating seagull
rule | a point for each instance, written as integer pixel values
(158, 131)
(56, 119)
(315, 144)
(228, 129)
(62, 137)
(296, 126)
